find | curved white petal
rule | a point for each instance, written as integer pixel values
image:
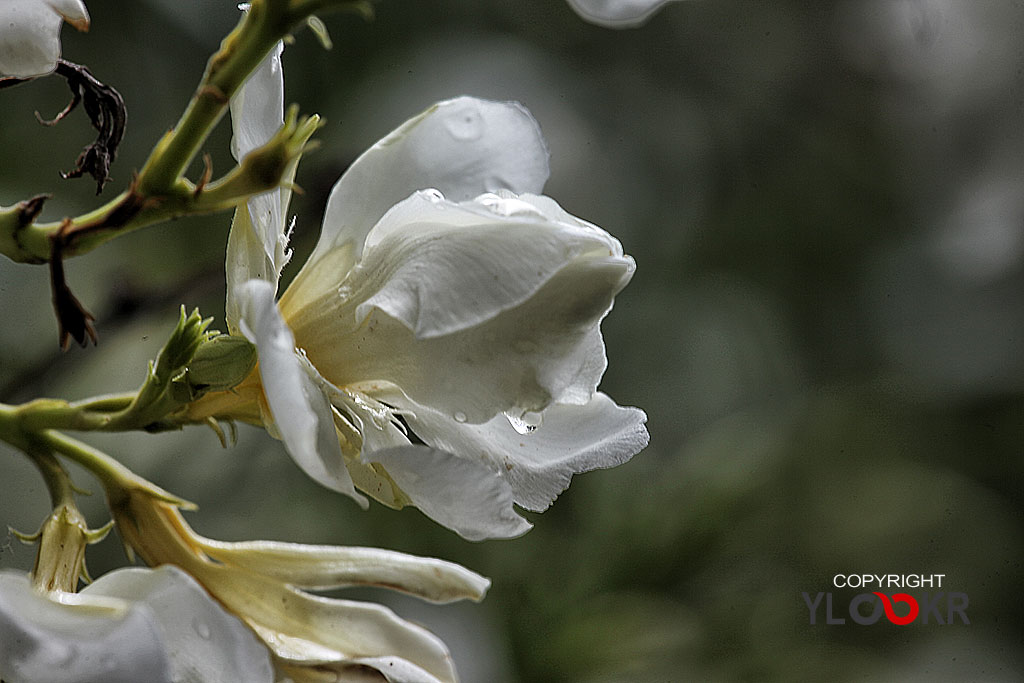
(539, 464)
(130, 625)
(30, 34)
(308, 630)
(397, 670)
(258, 241)
(301, 412)
(617, 13)
(257, 109)
(73, 11)
(44, 641)
(474, 309)
(469, 497)
(441, 267)
(321, 567)
(462, 147)
(204, 643)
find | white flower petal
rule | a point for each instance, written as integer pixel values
(257, 244)
(204, 642)
(462, 147)
(321, 567)
(73, 11)
(470, 498)
(397, 670)
(301, 412)
(257, 109)
(538, 465)
(246, 257)
(474, 309)
(44, 641)
(303, 629)
(30, 34)
(449, 267)
(617, 13)
(374, 421)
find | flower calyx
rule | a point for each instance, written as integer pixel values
(62, 538)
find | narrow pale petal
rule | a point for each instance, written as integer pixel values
(257, 109)
(617, 13)
(257, 243)
(322, 567)
(301, 413)
(462, 147)
(397, 670)
(311, 630)
(475, 308)
(539, 464)
(469, 497)
(205, 644)
(86, 639)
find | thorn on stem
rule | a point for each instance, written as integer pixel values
(29, 209)
(73, 320)
(204, 180)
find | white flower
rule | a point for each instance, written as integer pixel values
(30, 34)
(266, 584)
(153, 625)
(617, 13)
(441, 346)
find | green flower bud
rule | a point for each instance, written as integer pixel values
(218, 364)
(222, 362)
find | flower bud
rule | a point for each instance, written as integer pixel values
(60, 559)
(221, 363)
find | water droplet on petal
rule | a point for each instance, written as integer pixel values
(432, 195)
(525, 424)
(66, 654)
(508, 205)
(460, 417)
(201, 629)
(465, 125)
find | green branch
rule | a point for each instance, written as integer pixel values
(160, 192)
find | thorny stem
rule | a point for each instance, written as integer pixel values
(160, 192)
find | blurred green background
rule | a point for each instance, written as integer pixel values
(826, 205)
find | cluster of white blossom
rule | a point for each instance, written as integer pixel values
(440, 348)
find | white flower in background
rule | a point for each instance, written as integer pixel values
(441, 346)
(131, 625)
(617, 13)
(30, 34)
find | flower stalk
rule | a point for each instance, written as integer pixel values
(64, 534)
(160, 192)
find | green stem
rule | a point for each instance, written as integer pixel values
(58, 482)
(161, 192)
(115, 477)
(265, 23)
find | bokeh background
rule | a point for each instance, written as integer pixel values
(825, 201)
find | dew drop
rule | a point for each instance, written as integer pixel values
(525, 424)
(66, 655)
(508, 205)
(465, 125)
(433, 195)
(201, 629)
(460, 417)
